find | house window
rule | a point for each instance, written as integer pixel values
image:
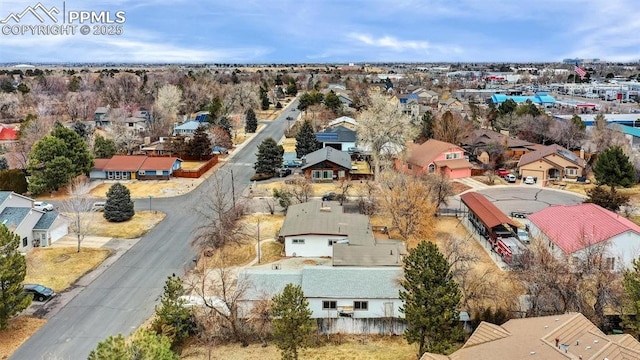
(341, 173)
(130, 124)
(141, 172)
(571, 171)
(451, 156)
(329, 305)
(610, 263)
(409, 166)
(297, 241)
(360, 305)
(25, 242)
(316, 174)
(328, 174)
(432, 168)
(333, 241)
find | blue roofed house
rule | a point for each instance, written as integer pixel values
(34, 227)
(186, 128)
(541, 99)
(631, 134)
(350, 300)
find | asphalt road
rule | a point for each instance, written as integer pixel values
(125, 295)
(525, 198)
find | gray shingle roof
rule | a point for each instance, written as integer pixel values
(263, 284)
(327, 218)
(344, 134)
(380, 254)
(4, 195)
(46, 220)
(325, 282)
(13, 216)
(328, 153)
(351, 282)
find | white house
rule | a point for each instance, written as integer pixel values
(352, 300)
(572, 230)
(347, 122)
(322, 229)
(36, 228)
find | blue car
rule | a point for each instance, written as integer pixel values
(39, 292)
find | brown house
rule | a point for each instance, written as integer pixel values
(552, 162)
(480, 139)
(327, 164)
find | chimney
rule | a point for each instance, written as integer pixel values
(557, 342)
(582, 153)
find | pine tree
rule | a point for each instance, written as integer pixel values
(269, 157)
(172, 313)
(224, 123)
(431, 298)
(613, 168)
(4, 165)
(13, 269)
(118, 207)
(103, 148)
(200, 144)
(144, 345)
(292, 324)
(251, 124)
(332, 101)
(306, 141)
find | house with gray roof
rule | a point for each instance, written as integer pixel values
(322, 229)
(327, 164)
(34, 227)
(186, 128)
(338, 137)
(351, 300)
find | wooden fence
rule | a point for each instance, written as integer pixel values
(196, 173)
(346, 325)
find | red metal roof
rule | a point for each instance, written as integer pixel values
(124, 163)
(8, 133)
(158, 163)
(576, 227)
(488, 213)
(100, 163)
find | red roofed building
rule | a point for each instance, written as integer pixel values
(434, 156)
(126, 167)
(571, 230)
(8, 134)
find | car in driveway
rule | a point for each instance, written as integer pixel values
(529, 180)
(39, 292)
(523, 235)
(98, 206)
(220, 150)
(510, 178)
(43, 206)
(331, 196)
(283, 172)
(502, 172)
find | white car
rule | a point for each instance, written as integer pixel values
(43, 206)
(523, 235)
(529, 180)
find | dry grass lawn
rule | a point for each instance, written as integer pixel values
(20, 330)
(318, 189)
(271, 252)
(351, 348)
(140, 224)
(192, 165)
(143, 188)
(59, 268)
(289, 144)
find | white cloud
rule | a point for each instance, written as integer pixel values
(395, 44)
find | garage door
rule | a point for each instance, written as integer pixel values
(58, 232)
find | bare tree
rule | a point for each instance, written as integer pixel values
(402, 199)
(300, 188)
(220, 290)
(77, 207)
(451, 128)
(368, 198)
(168, 101)
(81, 105)
(342, 189)
(124, 137)
(381, 124)
(220, 213)
(439, 187)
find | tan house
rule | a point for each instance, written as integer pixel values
(552, 162)
(450, 104)
(567, 336)
(434, 156)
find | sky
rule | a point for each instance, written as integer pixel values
(322, 31)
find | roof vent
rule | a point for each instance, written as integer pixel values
(325, 209)
(532, 353)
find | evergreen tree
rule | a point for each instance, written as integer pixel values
(4, 165)
(306, 141)
(13, 269)
(332, 101)
(76, 149)
(431, 298)
(269, 157)
(426, 128)
(214, 109)
(264, 102)
(200, 144)
(608, 199)
(292, 88)
(251, 124)
(631, 285)
(292, 324)
(613, 168)
(509, 106)
(103, 148)
(144, 345)
(13, 180)
(118, 207)
(224, 123)
(81, 129)
(172, 313)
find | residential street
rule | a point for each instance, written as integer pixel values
(126, 293)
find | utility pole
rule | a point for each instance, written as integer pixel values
(259, 239)
(233, 189)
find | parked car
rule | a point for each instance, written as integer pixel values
(43, 206)
(284, 172)
(502, 172)
(291, 164)
(332, 197)
(523, 235)
(98, 206)
(529, 180)
(354, 150)
(39, 292)
(510, 178)
(220, 150)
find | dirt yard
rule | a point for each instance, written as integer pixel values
(318, 189)
(341, 348)
(20, 330)
(289, 144)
